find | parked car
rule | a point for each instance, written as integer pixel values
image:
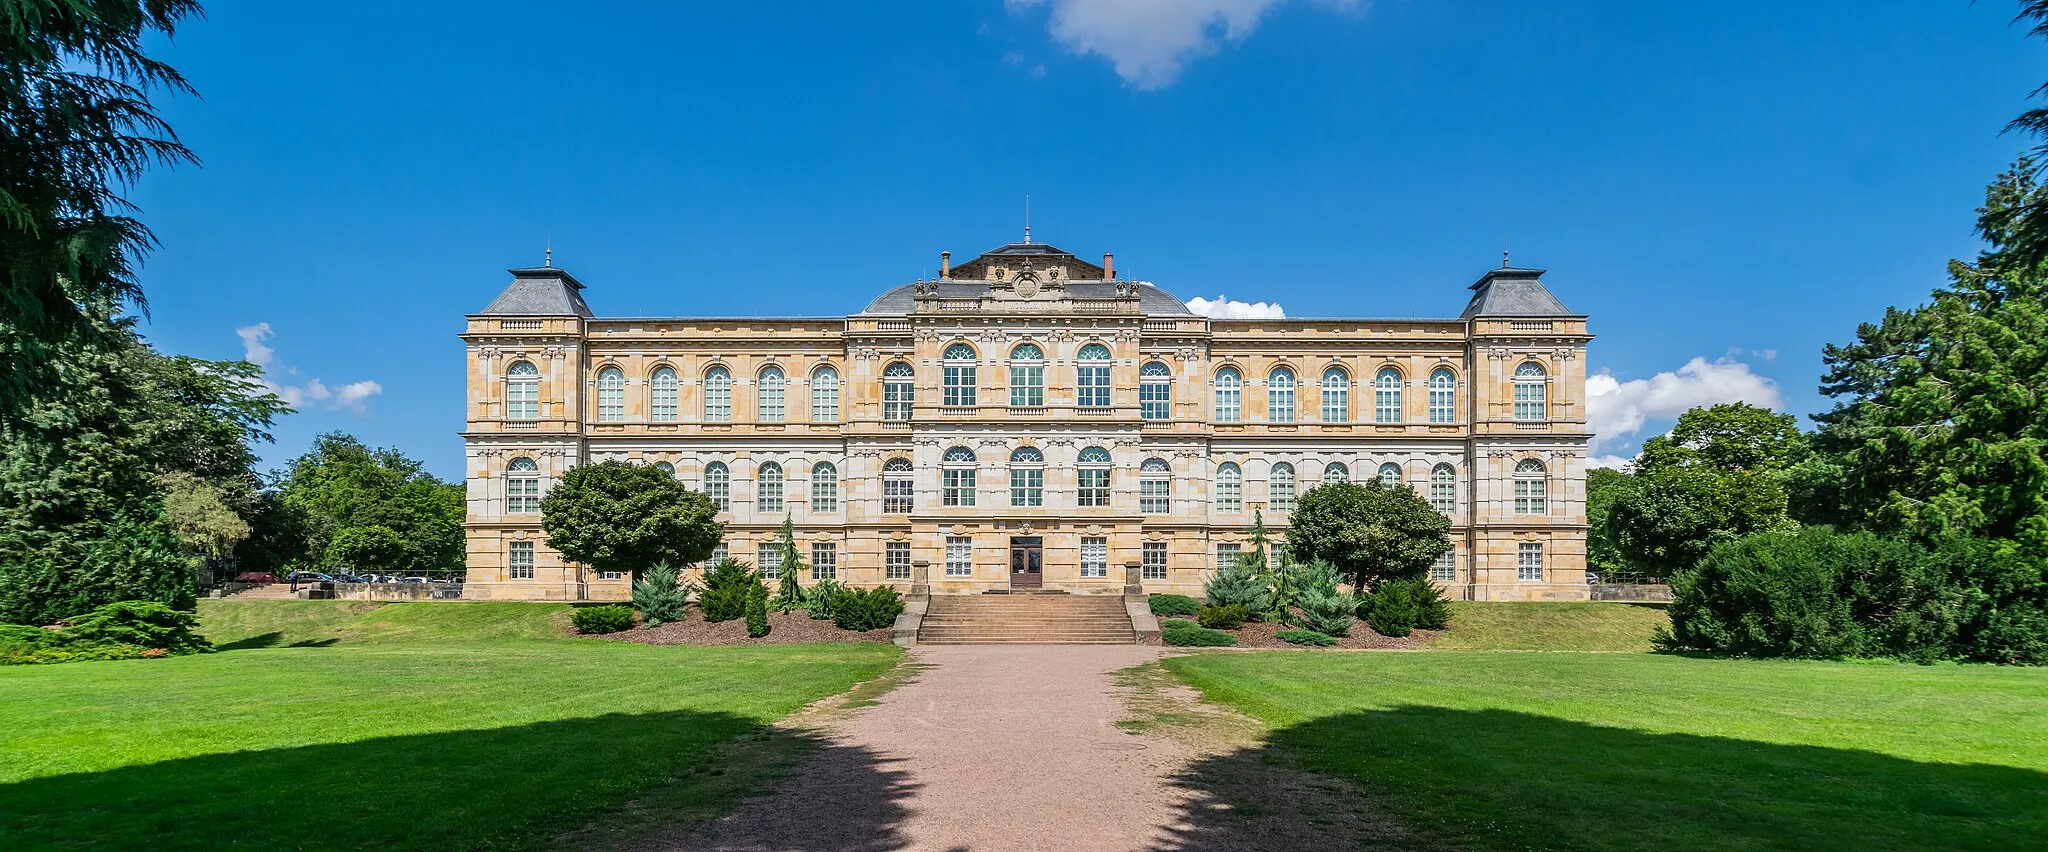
(313, 577)
(414, 580)
(255, 577)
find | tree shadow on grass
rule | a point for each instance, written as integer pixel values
(511, 787)
(273, 639)
(1495, 779)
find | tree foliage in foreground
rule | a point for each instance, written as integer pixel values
(1369, 531)
(615, 516)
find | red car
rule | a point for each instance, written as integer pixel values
(255, 577)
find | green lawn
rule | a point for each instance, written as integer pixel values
(400, 726)
(1647, 752)
(1503, 626)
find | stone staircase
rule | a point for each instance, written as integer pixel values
(1029, 618)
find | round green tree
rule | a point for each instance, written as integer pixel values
(1369, 531)
(615, 516)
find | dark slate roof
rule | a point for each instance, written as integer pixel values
(543, 291)
(1077, 268)
(1509, 292)
(1152, 300)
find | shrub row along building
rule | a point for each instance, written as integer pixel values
(1027, 419)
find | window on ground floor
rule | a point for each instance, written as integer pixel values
(959, 556)
(1154, 564)
(520, 561)
(824, 560)
(1530, 564)
(611, 575)
(896, 560)
(768, 557)
(1226, 555)
(1094, 557)
(1445, 569)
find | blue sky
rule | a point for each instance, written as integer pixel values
(1723, 187)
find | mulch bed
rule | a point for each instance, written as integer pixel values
(784, 628)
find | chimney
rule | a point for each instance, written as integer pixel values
(1108, 266)
(945, 264)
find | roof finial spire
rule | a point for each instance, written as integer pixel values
(547, 258)
(1504, 254)
(1027, 219)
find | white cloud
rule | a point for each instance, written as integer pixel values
(354, 396)
(1616, 410)
(1223, 308)
(1609, 462)
(1150, 41)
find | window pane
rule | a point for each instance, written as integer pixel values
(1529, 567)
(1445, 568)
(896, 560)
(1443, 397)
(824, 488)
(662, 396)
(718, 486)
(519, 561)
(1154, 564)
(611, 394)
(1094, 557)
(959, 556)
(1386, 397)
(1229, 489)
(824, 560)
(1155, 392)
(899, 391)
(718, 396)
(1229, 400)
(825, 396)
(1226, 555)
(1280, 396)
(1280, 488)
(768, 558)
(1336, 396)
(769, 405)
(768, 493)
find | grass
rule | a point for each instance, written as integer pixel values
(1502, 626)
(337, 725)
(1627, 752)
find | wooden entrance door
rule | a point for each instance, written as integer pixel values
(1027, 556)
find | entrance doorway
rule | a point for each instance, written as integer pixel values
(1027, 555)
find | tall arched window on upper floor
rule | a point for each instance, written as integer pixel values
(718, 395)
(1336, 472)
(824, 488)
(1155, 487)
(1280, 396)
(768, 489)
(1027, 376)
(611, 395)
(522, 487)
(1532, 392)
(1532, 488)
(770, 400)
(899, 391)
(1443, 489)
(1443, 397)
(1229, 488)
(1092, 377)
(1229, 396)
(960, 379)
(1027, 478)
(1280, 488)
(1336, 395)
(1093, 471)
(718, 485)
(1390, 474)
(522, 391)
(1386, 396)
(899, 487)
(957, 477)
(824, 395)
(661, 396)
(1155, 391)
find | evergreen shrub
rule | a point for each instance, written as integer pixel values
(1326, 611)
(726, 587)
(823, 599)
(1164, 605)
(870, 609)
(1196, 635)
(143, 624)
(661, 596)
(1238, 584)
(602, 619)
(1306, 637)
(757, 611)
(1172, 623)
(1227, 617)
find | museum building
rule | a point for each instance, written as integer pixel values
(1029, 419)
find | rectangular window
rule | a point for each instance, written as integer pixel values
(897, 398)
(899, 493)
(1336, 399)
(768, 558)
(1094, 557)
(1280, 402)
(1529, 401)
(1027, 387)
(1094, 488)
(611, 575)
(1443, 404)
(768, 488)
(1154, 564)
(959, 556)
(1529, 567)
(1230, 492)
(522, 400)
(1094, 387)
(1027, 487)
(1443, 495)
(959, 386)
(522, 495)
(1155, 495)
(896, 560)
(1226, 555)
(824, 400)
(520, 561)
(1445, 569)
(1155, 400)
(1386, 404)
(1529, 497)
(717, 400)
(662, 405)
(718, 552)
(824, 491)
(959, 487)
(824, 560)
(1229, 403)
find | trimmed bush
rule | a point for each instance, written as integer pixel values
(143, 624)
(1328, 611)
(726, 587)
(1165, 605)
(1432, 609)
(1181, 623)
(1229, 617)
(1397, 607)
(823, 599)
(602, 619)
(1306, 637)
(1201, 637)
(661, 596)
(757, 611)
(871, 609)
(1238, 584)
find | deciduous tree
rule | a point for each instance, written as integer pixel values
(1369, 531)
(615, 516)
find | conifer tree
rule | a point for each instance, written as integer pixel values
(789, 593)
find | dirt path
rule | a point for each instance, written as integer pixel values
(1020, 748)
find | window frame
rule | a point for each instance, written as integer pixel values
(611, 395)
(1092, 478)
(1155, 487)
(824, 560)
(1532, 488)
(1091, 376)
(718, 485)
(1229, 488)
(1398, 476)
(1150, 568)
(1155, 391)
(1343, 472)
(522, 391)
(824, 488)
(895, 560)
(1228, 401)
(825, 394)
(718, 395)
(959, 556)
(899, 487)
(771, 395)
(662, 395)
(1443, 489)
(1027, 376)
(768, 559)
(1027, 478)
(516, 567)
(768, 474)
(1336, 395)
(957, 478)
(1532, 392)
(1281, 499)
(522, 486)
(899, 391)
(1386, 396)
(1529, 567)
(1094, 557)
(1280, 396)
(1443, 396)
(960, 376)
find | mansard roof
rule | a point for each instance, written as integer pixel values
(1511, 292)
(1038, 254)
(540, 291)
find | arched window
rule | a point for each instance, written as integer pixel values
(1280, 396)
(1386, 396)
(718, 395)
(1532, 395)
(1155, 391)
(1229, 396)
(1443, 489)
(1336, 396)
(1229, 489)
(957, 477)
(899, 487)
(1092, 377)
(824, 395)
(522, 487)
(1093, 468)
(1280, 488)
(522, 391)
(665, 467)
(1027, 376)
(611, 395)
(1531, 488)
(1390, 474)
(824, 488)
(718, 485)
(1336, 472)
(768, 489)
(1443, 397)
(959, 375)
(769, 405)
(661, 407)
(1027, 478)
(899, 391)
(1155, 487)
